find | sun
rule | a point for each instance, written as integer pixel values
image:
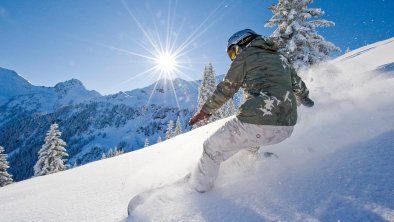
(166, 62)
(165, 56)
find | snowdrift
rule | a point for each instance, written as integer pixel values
(337, 166)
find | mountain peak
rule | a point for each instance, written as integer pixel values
(73, 91)
(7, 75)
(4, 71)
(12, 84)
(70, 84)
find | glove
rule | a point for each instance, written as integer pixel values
(306, 101)
(198, 117)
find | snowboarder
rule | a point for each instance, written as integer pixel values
(269, 112)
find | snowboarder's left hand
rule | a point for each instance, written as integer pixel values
(307, 102)
(198, 117)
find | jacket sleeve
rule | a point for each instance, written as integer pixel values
(299, 88)
(228, 87)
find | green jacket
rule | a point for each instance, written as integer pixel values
(269, 82)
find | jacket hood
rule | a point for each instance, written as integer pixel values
(264, 43)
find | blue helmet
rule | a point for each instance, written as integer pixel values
(239, 40)
(237, 37)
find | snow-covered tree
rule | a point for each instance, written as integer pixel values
(169, 132)
(118, 151)
(206, 89)
(178, 127)
(347, 50)
(159, 139)
(296, 34)
(146, 142)
(110, 153)
(208, 85)
(52, 153)
(5, 177)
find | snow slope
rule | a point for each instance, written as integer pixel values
(337, 166)
(370, 57)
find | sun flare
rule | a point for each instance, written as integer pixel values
(166, 62)
(167, 58)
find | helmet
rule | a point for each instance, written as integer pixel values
(239, 36)
(239, 39)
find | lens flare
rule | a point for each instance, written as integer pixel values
(167, 58)
(166, 62)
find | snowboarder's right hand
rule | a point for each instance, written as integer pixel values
(198, 117)
(306, 101)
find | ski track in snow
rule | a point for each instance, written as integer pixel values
(337, 166)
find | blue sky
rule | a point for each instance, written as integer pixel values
(96, 41)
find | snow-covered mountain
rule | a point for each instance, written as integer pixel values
(72, 92)
(18, 92)
(91, 124)
(12, 84)
(168, 93)
(337, 165)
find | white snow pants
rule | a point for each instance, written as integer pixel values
(227, 141)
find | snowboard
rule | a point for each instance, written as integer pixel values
(140, 198)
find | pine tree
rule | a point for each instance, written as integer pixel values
(111, 153)
(178, 127)
(52, 153)
(169, 132)
(208, 85)
(5, 177)
(146, 142)
(296, 36)
(202, 92)
(103, 156)
(159, 139)
(347, 50)
(117, 151)
(206, 89)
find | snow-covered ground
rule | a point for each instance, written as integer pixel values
(337, 166)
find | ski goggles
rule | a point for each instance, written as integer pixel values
(232, 51)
